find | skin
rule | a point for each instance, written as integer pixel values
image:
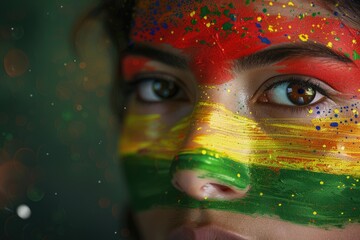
(229, 149)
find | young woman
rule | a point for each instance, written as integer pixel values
(239, 119)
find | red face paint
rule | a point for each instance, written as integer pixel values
(132, 64)
(342, 77)
(215, 33)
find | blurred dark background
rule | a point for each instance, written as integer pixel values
(58, 159)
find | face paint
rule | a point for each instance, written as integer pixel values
(218, 33)
(304, 169)
(264, 156)
(131, 65)
(342, 78)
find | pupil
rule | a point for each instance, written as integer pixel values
(301, 91)
(299, 94)
(165, 89)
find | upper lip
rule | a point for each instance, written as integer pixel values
(208, 232)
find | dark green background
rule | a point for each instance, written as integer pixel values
(57, 135)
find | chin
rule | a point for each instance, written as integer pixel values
(197, 224)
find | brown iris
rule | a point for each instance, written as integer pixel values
(299, 94)
(165, 89)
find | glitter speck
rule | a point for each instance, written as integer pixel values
(304, 37)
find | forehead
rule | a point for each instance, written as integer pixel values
(214, 33)
(184, 24)
(219, 7)
(163, 14)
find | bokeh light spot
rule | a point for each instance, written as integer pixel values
(23, 211)
(16, 63)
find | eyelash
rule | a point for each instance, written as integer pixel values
(306, 83)
(131, 87)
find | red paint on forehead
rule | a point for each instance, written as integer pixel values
(215, 34)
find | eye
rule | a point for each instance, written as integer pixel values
(293, 91)
(299, 94)
(157, 89)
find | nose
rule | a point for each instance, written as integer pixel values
(203, 168)
(200, 177)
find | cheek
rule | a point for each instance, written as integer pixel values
(138, 132)
(153, 135)
(321, 145)
(315, 144)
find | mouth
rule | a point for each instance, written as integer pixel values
(209, 232)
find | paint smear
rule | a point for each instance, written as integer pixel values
(275, 143)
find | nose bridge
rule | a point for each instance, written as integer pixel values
(200, 125)
(213, 127)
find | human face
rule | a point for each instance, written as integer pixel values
(241, 120)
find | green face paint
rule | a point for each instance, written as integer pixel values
(299, 196)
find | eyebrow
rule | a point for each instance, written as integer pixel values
(162, 56)
(296, 50)
(259, 59)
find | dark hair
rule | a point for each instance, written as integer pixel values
(118, 22)
(116, 18)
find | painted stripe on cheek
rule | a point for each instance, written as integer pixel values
(301, 197)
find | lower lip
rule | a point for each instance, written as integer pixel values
(203, 233)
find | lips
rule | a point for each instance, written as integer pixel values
(203, 233)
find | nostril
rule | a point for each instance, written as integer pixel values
(190, 182)
(220, 191)
(223, 188)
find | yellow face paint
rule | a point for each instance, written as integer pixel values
(280, 143)
(318, 145)
(150, 136)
